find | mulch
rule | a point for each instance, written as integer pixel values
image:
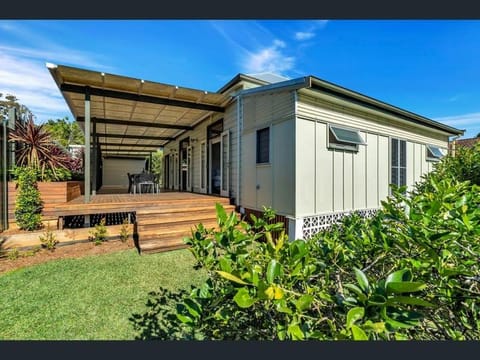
(76, 250)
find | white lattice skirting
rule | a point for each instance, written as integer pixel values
(311, 225)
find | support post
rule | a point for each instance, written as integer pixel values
(87, 146)
(95, 154)
(4, 169)
(150, 164)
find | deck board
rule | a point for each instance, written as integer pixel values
(161, 219)
(130, 202)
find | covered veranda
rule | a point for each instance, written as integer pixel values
(129, 118)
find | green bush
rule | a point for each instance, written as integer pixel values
(60, 174)
(28, 205)
(99, 234)
(124, 231)
(49, 239)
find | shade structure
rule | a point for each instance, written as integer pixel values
(133, 114)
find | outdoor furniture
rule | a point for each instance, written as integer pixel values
(145, 181)
(130, 182)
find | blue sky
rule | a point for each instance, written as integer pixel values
(427, 67)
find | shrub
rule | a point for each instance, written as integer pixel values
(13, 254)
(37, 149)
(48, 239)
(28, 205)
(124, 231)
(294, 290)
(99, 233)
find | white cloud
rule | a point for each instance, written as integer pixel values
(30, 81)
(245, 36)
(310, 31)
(23, 72)
(57, 55)
(472, 119)
(269, 59)
(302, 35)
(468, 122)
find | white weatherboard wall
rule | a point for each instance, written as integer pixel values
(332, 181)
(270, 184)
(199, 133)
(115, 170)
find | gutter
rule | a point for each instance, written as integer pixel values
(293, 84)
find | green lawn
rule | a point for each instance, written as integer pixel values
(90, 298)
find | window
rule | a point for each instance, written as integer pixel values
(433, 153)
(399, 162)
(263, 146)
(343, 138)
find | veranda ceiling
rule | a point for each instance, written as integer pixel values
(133, 116)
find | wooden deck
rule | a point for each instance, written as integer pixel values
(161, 220)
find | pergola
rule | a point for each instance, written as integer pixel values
(128, 117)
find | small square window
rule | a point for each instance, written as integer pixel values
(434, 153)
(263, 146)
(342, 138)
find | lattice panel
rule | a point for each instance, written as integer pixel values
(314, 224)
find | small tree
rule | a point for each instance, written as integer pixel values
(28, 204)
(38, 150)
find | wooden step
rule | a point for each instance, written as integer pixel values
(155, 211)
(160, 246)
(174, 218)
(174, 230)
(190, 206)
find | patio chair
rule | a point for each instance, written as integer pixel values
(130, 182)
(144, 180)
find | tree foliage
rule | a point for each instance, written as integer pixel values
(65, 132)
(8, 101)
(157, 163)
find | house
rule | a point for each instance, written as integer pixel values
(312, 150)
(466, 143)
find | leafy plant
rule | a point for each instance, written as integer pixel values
(99, 233)
(124, 231)
(31, 252)
(49, 239)
(281, 289)
(36, 148)
(28, 204)
(13, 254)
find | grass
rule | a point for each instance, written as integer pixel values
(89, 298)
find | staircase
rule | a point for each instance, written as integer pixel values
(163, 226)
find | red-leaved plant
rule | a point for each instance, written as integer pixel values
(37, 148)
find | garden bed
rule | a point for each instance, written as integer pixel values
(74, 250)
(25, 240)
(51, 193)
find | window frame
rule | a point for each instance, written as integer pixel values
(429, 150)
(257, 132)
(398, 167)
(342, 145)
